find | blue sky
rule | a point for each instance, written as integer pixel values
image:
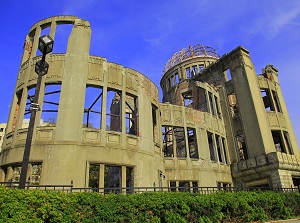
(143, 35)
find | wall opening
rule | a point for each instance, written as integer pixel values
(211, 103)
(180, 142)
(218, 143)
(51, 103)
(93, 107)
(30, 97)
(113, 111)
(129, 179)
(188, 100)
(192, 143)
(267, 99)
(288, 142)
(276, 100)
(112, 179)
(241, 145)
(188, 72)
(131, 114)
(228, 74)
(167, 134)
(94, 175)
(278, 141)
(201, 100)
(234, 109)
(61, 38)
(154, 123)
(211, 146)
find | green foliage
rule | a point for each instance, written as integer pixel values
(49, 206)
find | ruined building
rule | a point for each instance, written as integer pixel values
(219, 124)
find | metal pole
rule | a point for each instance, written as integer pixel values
(31, 128)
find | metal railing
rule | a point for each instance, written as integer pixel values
(135, 190)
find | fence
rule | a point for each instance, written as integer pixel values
(135, 190)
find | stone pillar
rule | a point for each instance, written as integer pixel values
(71, 104)
(251, 108)
(123, 181)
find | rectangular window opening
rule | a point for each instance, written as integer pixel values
(288, 142)
(217, 107)
(167, 134)
(211, 103)
(234, 109)
(211, 146)
(112, 179)
(201, 100)
(267, 99)
(278, 141)
(180, 142)
(224, 149)
(51, 103)
(218, 142)
(192, 143)
(62, 34)
(242, 149)
(228, 74)
(154, 123)
(93, 107)
(94, 175)
(188, 99)
(276, 100)
(129, 180)
(131, 114)
(113, 111)
(188, 73)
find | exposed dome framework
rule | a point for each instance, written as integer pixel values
(192, 51)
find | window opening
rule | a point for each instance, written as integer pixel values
(62, 34)
(217, 107)
(167, 134)
(288, 142)
(195, 70)
(277, 138)
(36, 171)
(188, 72)
(234, 109)
(201, 67)
(184, 186)
(16, 113)
(94, 175)
(129, 179)
(31, 93)
(276, 100)
(192, 143)
(267, 99)
(211, 146)
(93, 107)
(173, 80)
(1, 129)
(112, 179)
(212, 109)
(195, 187)
(113, 111)
(202, 100)
(131, 114)
(16, 173)
(296, 182)
(180, 142)
(228, 74)
(177, 78)
(242, 149)
(188, 99)
(51, 103)
(224, 149)
(154, 123)
(218, 143)
(173, 186)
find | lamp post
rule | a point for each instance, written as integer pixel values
(41, 68)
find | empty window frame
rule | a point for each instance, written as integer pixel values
(211, 146)
(188, 100)
(228, 74)
(217, 107)
(173, 80)
(278, 141)
(201, 67)
(288, 143)
(112, 179)
(219, 150)
(192, 143)
(94, 171)
(201, 100)
(276, 101)
(267, 99)
(173, 186)
(180, 142)
(184, 186)
(167, 134)
(1, 129)
(177, 79)
(131, 114)
(241, 145)
(93, 107)
(194, 70)
(113, 111)
(224, 149)
(188, 72)
(36, 171)
(51, 103)
(16, 112)
(129, 179)
(30, 97)
(154, 123)
(211, 103)
(234, 110)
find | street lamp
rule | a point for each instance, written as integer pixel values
(41, 68)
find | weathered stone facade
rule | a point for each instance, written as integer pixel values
(111, 131)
